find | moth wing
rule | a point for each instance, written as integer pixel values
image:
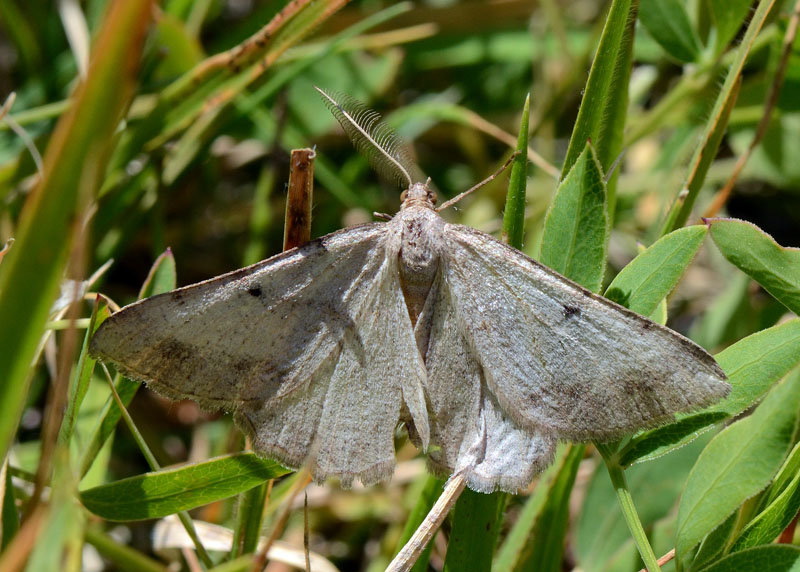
(470, 432)
(301, 338)
(562, 359)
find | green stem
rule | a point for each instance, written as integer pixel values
(617, 475)
(183, 515)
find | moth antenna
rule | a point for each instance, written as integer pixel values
(379, 143)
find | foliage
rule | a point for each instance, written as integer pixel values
(176, 133)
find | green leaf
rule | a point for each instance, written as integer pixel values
(162, 277)
(536, 542)
(599, 119)
(769, 523)
(775, 558)
(660, 441)
(9, 518)
(576, 227)
(79, 381)
(514, 217)
(476, 524)
(728, 16)
(73, 164)
(668, 23)
(757, 254)
(754, 363)
(649, 277)
(157, 494)
(738, 463)
(716, 543)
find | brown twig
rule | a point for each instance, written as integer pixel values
(769, 104)
(409, 554)
(663, 560)
(297, 229)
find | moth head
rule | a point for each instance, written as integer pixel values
(419, 193)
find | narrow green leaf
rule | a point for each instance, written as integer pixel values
(575, 236)
(769, 523)
(600, 93)
(668, 23)
(157, 494)
(738, 463)
(775, 558)
(79, 381)
(756, 362)
(162, 277)
(250, 514)
(756, 253)
(514, 217)
(60, 538)
(649, 277)
(73, 164)
(426, 498)
(476, 524)
(660, 441)
(9, 518)
(536, 542)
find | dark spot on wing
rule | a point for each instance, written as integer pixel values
(571, 311)
(254, 291)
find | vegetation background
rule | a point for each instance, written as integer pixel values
(165, 130)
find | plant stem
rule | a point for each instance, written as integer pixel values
(617, 475)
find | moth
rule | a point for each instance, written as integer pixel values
(484, 355)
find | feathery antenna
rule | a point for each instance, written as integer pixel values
(379, 143)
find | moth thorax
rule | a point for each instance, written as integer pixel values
(418, 194)
(418, 256)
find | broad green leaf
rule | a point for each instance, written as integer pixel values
(756, 362)
(514, 217)
(73, 164)
(769, 523)
(738, 463)
(157, 494)
(728, 16)
(476, 523)
(605, 89)
(775, 558)
(669, 25)
(649, 277)
(753, 251)
(576, 227)
(431, 490)
(536, 542)
(660, 441)
(602, 535)
(716, 543)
